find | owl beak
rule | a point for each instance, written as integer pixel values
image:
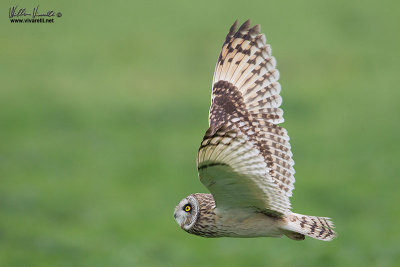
(175, 216)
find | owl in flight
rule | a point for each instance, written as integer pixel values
(244, 159)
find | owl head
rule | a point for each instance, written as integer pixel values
(187, 212)
(196, 215)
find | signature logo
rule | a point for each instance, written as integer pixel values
(36, 13)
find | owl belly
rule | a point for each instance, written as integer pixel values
(247, 223)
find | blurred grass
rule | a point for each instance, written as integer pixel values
(101, 115)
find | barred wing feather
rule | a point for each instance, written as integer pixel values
(231, 166)
(245, 158)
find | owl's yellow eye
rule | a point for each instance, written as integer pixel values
(187, 208)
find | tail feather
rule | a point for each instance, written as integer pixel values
(320, 228)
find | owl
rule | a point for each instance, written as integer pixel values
(245, 159)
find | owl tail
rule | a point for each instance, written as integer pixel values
(298, 225)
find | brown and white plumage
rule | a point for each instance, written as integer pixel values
(245, 158)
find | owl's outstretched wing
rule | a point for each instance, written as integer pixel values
(245, 158)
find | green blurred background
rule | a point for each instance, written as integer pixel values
(102, 113)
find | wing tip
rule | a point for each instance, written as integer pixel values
(255, 30)
(232, 30)
(245, 26)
